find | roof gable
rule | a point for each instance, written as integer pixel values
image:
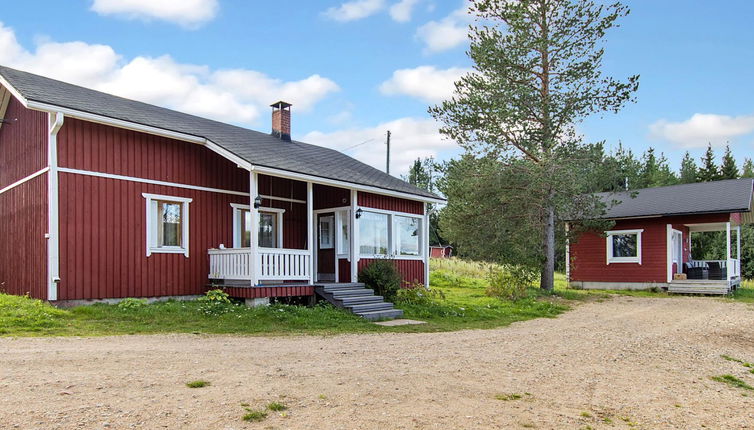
(257, 148)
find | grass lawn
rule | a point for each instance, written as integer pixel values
(464, 306)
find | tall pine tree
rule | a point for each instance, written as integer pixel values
(708, 171)
(748, 169)
(689, 172)
(728, 168)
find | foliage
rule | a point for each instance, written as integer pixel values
(655, 171)
(254, 416)
(510, 282)
(689, 171)
(537, 72)
(418, 294)
(215, 302)
(708, 170)
(733, 382)
(131, 303)
(423, 174)
(748, 169)
(276, 407)
(199, 383)
(383, 277)
(728, 168)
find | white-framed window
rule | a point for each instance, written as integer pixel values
(167, 224)
(407, 235)
(270, 230)
(343, 230)
(383, 233)
(327, 232)
(624, 246)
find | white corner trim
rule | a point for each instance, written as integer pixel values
(669, 251)
(149, 181)
(151, 227)
(425, 244)
(15, 92)
(609, 243)
(26, 179)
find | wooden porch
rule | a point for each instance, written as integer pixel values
(703, 286)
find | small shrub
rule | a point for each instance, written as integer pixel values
(418, 294)
(215, 302)
(199, 383)
(510, 282)
(733, 382)
(276, 406)
(507, 397)
(131, 303)
(383, 277)
(254, 415)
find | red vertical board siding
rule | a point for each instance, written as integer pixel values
(412, 271)
(103, 221)
(326, 197)
(589, 251)
(23, 209)
(388, 203)
(344, 270)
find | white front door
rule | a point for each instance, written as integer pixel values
(678, 251)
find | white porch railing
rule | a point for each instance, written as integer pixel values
(734, 268)
(234, 263)
(271, 264)
(283, 264)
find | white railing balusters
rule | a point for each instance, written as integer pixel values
(271, 264)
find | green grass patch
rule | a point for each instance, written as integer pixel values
(254, 416)
(276, 406)
(199, 383)
(464, 306)
(733, 382)
(508, 397)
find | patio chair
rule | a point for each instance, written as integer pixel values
(696, 270)
(718, 270)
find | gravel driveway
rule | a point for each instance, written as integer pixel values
(621, 363)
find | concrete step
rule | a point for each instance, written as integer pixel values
(360, 300)
(351, 293)
(368, 307)
(381, 315)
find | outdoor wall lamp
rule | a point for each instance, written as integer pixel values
(358, 213)
(257, 202)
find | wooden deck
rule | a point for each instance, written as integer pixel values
(241, 291)
(703, 286)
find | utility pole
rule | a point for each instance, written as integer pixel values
(387, 169)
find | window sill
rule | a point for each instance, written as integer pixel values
(624, 260)
(168, 250)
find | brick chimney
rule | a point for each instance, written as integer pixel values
(281, 120)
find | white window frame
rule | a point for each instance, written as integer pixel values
(237, 211)
(609, 244)
(392, 236)
(151, 224)
(396, 239)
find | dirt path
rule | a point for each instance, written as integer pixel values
(624, 362)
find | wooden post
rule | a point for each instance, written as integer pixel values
(354, 237)
(728, 264)
(254, 236)
(310, 230)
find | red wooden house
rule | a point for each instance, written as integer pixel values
(650, 244)
(103, 197)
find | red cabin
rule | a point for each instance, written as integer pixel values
(650, 242)
(103, 197)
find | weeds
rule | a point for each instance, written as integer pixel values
(733, 382)
(199, 383)
(254, 416)
(276, 406)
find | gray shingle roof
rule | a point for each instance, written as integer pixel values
(259, 149)
(726, 196)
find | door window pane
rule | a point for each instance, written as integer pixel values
(407, 235)
(344, 244)
(373, 233)
(169, 232)
(326, 233)
(245, 228)
(268, 230)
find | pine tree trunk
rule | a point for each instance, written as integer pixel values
(547, 278)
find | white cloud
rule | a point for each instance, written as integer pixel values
(701, 129)
(188, 13)
(411, 138)
(424, 82)
(232, 95)
(354, 10)
(401, 11)
(447, 33)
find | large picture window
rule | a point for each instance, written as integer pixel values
(374, 234)
(167, 224)
(407, 235)
(624, 246)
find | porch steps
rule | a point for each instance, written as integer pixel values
(362, 301)
(698, 287)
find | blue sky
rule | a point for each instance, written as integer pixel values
(354, 69)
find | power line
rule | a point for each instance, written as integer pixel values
(358, 144)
